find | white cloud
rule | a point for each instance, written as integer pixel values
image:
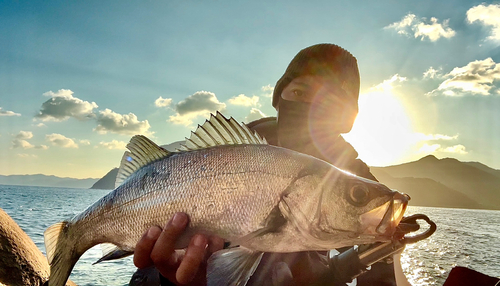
(40, 125)
(423, 28)
(459, 149)
(244, 100)
(402, 26)
(84, 142)
(127, 124)
(8, 113)
(24, 135)
(62, 105)
(61, 141)
(426, 148)
(163, 102)
(20, 141)
(489, 16)
(42, 147)
(433, 73)
(199, 104)
(477, 77)
(268, 90)
(254, 115)
(114, 144)
(429, 144)
(389, 84)
(22, 144)
(436, 137)
(200, 101)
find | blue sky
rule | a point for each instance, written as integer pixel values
(78, 79)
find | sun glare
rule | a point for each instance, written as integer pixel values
(382, 133)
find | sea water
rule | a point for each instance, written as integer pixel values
(468, 238)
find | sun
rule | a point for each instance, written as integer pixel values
(382, 133)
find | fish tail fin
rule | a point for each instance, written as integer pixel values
(233, 266)
(61, 253)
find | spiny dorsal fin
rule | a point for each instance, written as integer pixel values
(142, 152)
(219, 130)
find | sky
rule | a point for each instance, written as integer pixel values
(79, 78)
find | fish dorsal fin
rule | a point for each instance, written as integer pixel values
(142, 151)
(219, 130)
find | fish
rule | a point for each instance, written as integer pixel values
(257, 197)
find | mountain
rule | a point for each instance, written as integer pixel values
(444, 182)
(107, 182)
(427, 192)
(46, 181)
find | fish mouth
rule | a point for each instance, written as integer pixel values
(382, 221)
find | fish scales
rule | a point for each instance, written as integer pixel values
(200, 183)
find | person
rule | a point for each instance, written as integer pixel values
(316, 101)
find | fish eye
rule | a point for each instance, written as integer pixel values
(359, 195)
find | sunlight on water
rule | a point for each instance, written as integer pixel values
(468, 238)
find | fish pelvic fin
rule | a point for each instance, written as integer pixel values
(142, 152)
(233, 266)
(112, 252)
(61, 253)
(219, 130)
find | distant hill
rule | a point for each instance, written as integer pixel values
(46, 181)
(108, 181)
(444, 182)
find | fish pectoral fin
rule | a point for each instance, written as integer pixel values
(232, 266)
(273, 223)
(112, 252)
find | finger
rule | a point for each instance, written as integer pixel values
(165, 244)
(195, 255)
(144, 247)
(215, 243)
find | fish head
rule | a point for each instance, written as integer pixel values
(357, 209)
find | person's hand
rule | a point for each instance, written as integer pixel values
(156, 247)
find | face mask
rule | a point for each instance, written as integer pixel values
(293, 124)
(304, 125)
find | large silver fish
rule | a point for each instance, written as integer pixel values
(258, 197)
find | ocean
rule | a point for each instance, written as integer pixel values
(469, 238)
